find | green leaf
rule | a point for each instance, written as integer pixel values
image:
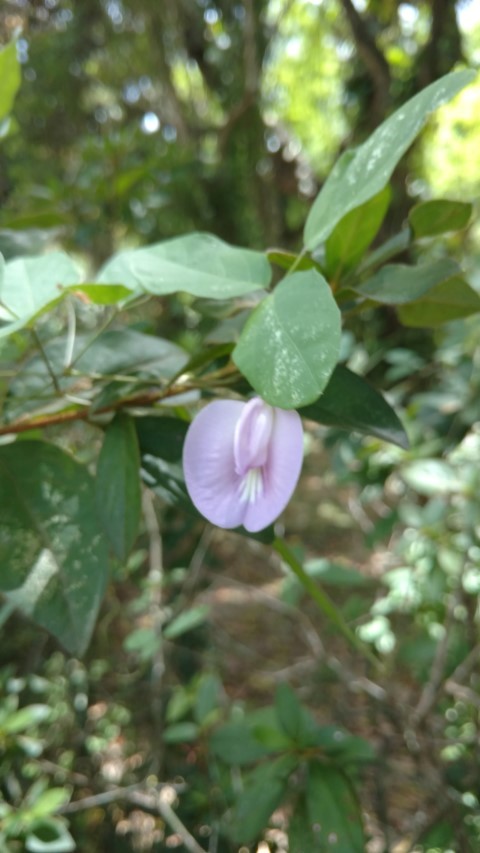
(236, 744)
(25, 718)
(302, 836)
(450, 300)
(117, 485)
(53, 559)
(351, 403)
(264, 790)
(291, 342)
(49, 836)
(162, 437)
(48, 802)
(396, 284)
(199, 264)
(31, 285)
(290, 713)
(432, 477)
(105, 294)
(287, 260)
(352, 236)
(208, 697)
(333, 806)
(10, 77)
(116, 351)
(439, 216)
(186, 621)
(181, 733)
(360, 174)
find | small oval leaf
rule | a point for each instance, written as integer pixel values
(290, 344)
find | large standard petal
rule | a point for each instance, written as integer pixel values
(209, 464)
(281, 472)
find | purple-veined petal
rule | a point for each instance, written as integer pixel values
(209, 463)
(280, 473)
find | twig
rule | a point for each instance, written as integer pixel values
(155, 578)
(323, 602)
(432, 687)
(107, 797)
(44, 355)
(139, 400)
(162, 803)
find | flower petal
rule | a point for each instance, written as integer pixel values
(209, 464)
(281, 472)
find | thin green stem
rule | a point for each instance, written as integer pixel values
(297, 261)
(53, 375)
(323, 601)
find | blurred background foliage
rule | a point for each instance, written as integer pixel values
(143, 119)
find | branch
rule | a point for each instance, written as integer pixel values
(372, 57)
(139, 400)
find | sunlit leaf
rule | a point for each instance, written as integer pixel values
(10, 78)
(439, 216)
(360, 174)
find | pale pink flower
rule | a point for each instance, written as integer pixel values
(242, 462)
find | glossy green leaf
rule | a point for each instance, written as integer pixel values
(263, 792)
(53, 558)
(450, 300)
(352, 236)
(351, 403)
(10, 78)
(439, 216)
(199, 264)
(290, 344)
(117, 485)
(333, 806)
(360, 174)
(396, 284)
